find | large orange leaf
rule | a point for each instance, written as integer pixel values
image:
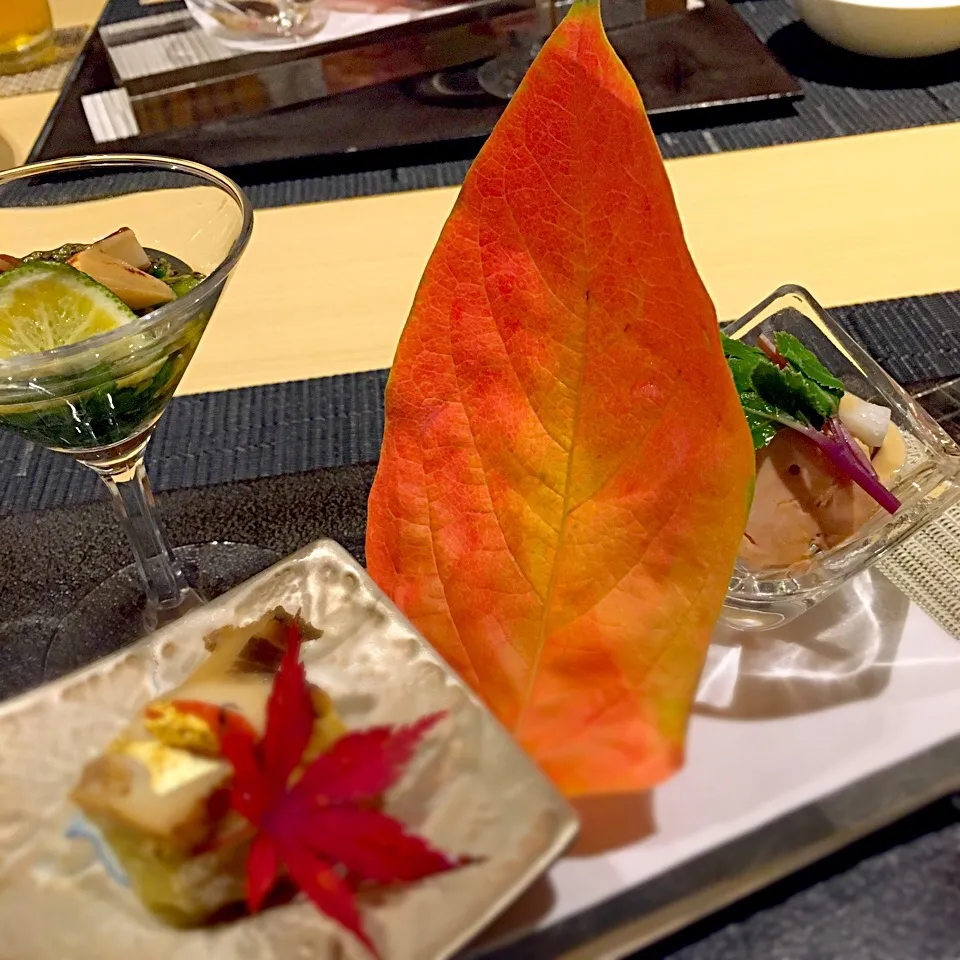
(566, 468)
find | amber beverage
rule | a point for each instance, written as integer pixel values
(26, 32)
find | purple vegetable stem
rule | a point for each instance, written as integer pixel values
(847, 458)
(835, 427)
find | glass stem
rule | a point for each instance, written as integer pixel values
(547, 16)
(168, 593)
(287, 14)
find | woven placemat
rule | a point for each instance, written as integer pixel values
(844, 94)
(217, 438)
(66, 45)
(891, 896)
(927, 569)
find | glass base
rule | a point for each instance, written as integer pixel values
(501, 76)
(112, 615)
(30, 56)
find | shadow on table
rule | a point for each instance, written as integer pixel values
(606, 823)
(809, 57)
(522, 916)
(7, 158)
(840, 651)
(612, 822)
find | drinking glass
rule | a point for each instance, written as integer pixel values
(260, 24)
(99, 400)
(26, 32)
(501, 76)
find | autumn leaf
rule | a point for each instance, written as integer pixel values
(318, 824)
(566, 470)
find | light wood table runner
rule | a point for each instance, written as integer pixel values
(325, 288)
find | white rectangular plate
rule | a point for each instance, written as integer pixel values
(470, 790)
(801, 741)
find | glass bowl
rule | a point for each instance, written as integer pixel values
(255, 25)
(927, 484)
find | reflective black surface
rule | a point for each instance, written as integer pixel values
(708, 58)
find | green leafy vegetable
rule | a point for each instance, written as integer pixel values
(792, 391)
(59, 254)
(804, 360)
(804, 396)
(804, 391)
(763, 418)
(160, 268)
(101, 409)
(103, 414)
(739, 350)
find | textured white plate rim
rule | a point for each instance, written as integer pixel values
(569, 827)
(568, 824)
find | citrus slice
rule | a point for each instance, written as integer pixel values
(46, 305)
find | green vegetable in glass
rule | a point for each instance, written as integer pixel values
(803, 390)
(795, 390)
(59, 254)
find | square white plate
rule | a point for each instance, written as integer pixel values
(470, 790)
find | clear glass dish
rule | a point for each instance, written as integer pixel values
(252, 25)
(927, 484)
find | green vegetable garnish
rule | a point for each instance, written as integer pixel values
(738, 350)
(184, 283)
(103, 409)
(803, 391)
(763, 419)
(59, 254)
(802, 359)
(46, 303)
(792, 391)
(178, 281)
(799, 392)
(159, 268)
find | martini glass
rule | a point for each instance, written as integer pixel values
(99, 400)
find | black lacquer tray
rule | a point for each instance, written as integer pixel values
(706, 60)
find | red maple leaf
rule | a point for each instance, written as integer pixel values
(322, 827)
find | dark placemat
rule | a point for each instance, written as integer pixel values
(894, 895)
(215, 438)
(707, 57)
(910, 908)
(61, 555)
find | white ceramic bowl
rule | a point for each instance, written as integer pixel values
(886, 28)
